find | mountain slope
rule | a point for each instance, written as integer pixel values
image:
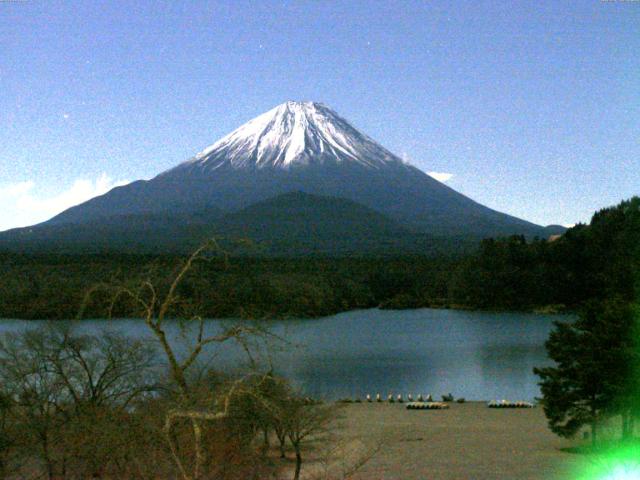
(292, 224)
(131, 233)
(298, 223)
(296, 147)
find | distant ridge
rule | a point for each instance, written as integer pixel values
(292, 224)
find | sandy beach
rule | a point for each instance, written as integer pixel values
(467, 441)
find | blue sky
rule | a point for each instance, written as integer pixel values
(533, 108)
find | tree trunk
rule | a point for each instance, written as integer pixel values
(47, 457)
(197, 443)
(594, 421)
(281, 434)
(625, 425)
(296, 475)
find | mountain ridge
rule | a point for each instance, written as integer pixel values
(298, 147)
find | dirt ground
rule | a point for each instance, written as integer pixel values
(468, 441)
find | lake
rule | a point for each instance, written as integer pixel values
(476, 355)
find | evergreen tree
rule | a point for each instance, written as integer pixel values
(596, 369)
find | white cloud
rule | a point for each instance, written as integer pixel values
(22, 205)
(16, 189)
(440, 176)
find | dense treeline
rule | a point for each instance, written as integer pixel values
(596, 370)
(587, 262)
(54, 286)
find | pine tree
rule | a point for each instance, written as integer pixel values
(596, 369)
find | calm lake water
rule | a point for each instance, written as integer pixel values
(476, 355)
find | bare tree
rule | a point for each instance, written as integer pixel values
(98, 370)
(304, 421)
(38, 394)
(62, 382)
(9, 437)
(155, 308)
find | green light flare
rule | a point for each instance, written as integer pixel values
(624, 473)
(622, 463)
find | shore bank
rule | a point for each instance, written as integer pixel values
(467, 441)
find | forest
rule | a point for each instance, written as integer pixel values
(588, 262)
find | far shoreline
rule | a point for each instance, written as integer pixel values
(554, 310)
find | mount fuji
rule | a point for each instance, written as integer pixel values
(291, 135)
(251, 174)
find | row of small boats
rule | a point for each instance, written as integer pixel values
(508, 404)
(400, 399)
(427, 406)
(443, 405)
(427, 403)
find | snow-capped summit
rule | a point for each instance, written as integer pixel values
(291, 134)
